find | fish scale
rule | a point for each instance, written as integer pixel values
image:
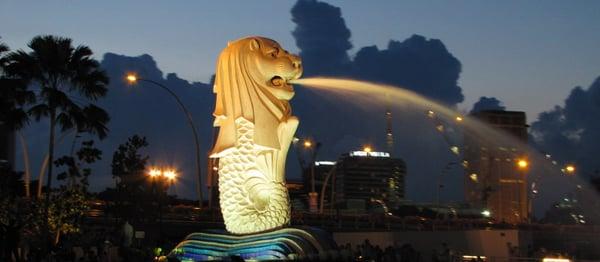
(237, 170)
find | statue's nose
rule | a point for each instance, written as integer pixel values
(297, 63)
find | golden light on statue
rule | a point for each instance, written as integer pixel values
(131, 78)
(256, 129)
(522, 163)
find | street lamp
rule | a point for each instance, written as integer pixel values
(312, 195)
(134, 79)
(569, 169)
(522, 163)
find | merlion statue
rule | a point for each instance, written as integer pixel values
(256, 129)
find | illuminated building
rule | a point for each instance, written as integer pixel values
(368, 177)
(496, 177)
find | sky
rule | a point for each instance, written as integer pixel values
(525, 56)
(528, 54)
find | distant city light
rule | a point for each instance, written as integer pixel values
(430, 113)
(372, 154)
(455, 150)
(324, 163)
(570, 169)
(473, 177)
(555, 259)
(486, 213)
(471, 257)
(459, 119)
(307, 143)
(367, 149)
(522, 163)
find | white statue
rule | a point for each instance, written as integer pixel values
(256, 129)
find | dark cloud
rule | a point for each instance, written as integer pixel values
(323, 37)
(570, 132)
(419, 64)
(487, 103)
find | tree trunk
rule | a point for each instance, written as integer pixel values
(56, 237)
(45, 165)
(41, 176)
(25, 163)
(49, 177)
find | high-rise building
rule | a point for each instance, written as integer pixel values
(369, 177)
(496, 177)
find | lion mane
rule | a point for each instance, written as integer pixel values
(238, 94)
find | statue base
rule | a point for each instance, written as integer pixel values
(281, 244)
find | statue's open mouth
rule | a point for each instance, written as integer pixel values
(278, 81)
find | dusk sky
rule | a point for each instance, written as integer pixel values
(527, 54)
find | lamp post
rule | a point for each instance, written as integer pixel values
(133, 79)
(312, 195)
(523, 166)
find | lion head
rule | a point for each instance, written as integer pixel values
(252, 82)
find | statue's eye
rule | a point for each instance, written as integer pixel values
(273, 53)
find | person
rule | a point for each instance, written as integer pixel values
(127, 234)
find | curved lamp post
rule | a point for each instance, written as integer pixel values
(133, 79)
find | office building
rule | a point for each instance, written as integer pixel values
(496, 171)
(368, 177)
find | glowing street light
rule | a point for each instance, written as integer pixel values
(154, 172)
(367, 149)
(170, 175)
(570, 169)
(312, 195)
(459, 119)
(522, 163)
(131, 78)
(307, 144)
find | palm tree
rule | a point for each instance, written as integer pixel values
(13, 97)
(67, 77)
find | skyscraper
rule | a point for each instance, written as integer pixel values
(369, 177)
(496, 177)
